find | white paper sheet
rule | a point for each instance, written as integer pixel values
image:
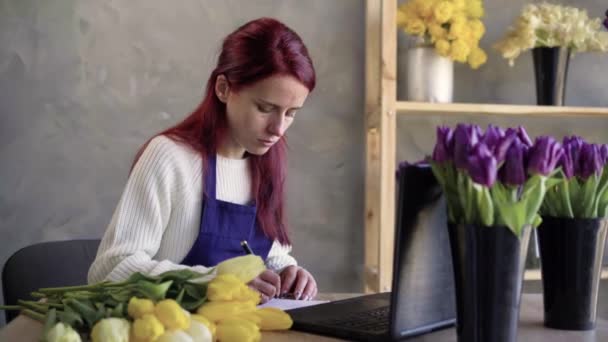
(287, 304)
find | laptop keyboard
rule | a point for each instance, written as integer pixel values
(374, 321)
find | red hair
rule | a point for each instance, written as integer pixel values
(255, 51)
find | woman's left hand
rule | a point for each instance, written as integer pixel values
(300, 282)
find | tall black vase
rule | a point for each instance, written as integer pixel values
(488, 273)
(571, 260)
(551, 71)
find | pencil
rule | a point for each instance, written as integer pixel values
(246, 247)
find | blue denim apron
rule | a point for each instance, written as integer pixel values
(223, 226)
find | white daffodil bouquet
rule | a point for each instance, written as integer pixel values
(551, 25)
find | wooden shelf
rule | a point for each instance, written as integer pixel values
(381, 110)
(407, 108)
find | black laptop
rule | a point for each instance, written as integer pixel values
(423, 297)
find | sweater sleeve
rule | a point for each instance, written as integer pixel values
(134, 234)
(279, 258)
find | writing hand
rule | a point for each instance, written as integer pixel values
(298, 281)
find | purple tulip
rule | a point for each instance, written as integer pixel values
(590, 161)
(500, 150)
(465, 139)
(444, 147)
(544, 155)
(521, 133)
(570, 160)
(492, 136)
(481, 165)
(513, 171)
(565, 162)
(604, 153)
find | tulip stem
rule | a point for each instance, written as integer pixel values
(10, 307)
(50, 290)
(33, 305)
(34, 315)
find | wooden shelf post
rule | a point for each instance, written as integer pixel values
(380, 126)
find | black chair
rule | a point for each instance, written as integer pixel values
(46, 264)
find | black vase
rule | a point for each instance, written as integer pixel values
(551, 71)
(488, 270)
(571, 252)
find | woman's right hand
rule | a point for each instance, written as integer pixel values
(268, 284)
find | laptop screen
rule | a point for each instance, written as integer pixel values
(423, 283)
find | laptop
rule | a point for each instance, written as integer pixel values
(423, 298)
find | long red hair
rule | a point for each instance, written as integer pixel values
(257, 50)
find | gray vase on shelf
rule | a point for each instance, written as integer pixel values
(430, 77)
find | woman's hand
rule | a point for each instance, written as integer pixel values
(268, 284)
(298, 281)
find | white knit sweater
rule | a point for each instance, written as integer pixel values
(158, 216)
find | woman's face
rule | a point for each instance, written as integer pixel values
(259, 115)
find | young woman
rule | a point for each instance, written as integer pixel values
(217, 178)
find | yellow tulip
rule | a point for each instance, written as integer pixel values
(245, 267)
(228, 287)
(216, 311)
(139, 307)
(274, 319)
(238, 330)
(171, 315)
(202, 319)
(147, 328)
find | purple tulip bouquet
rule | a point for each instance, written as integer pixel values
(494, 178)
(582, 191)
(572, 235)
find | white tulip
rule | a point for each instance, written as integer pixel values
(199, 332)
(174, 336)
(111, 330)
(62, 333)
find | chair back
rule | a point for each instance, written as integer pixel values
(46, 264)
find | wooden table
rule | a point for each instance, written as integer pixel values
(531, 329)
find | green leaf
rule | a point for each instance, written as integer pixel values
(153, 291)
(195, 290)
(51, 320)
(70, 317)
(193, 304)
(182, 275)
(85, 309)
(484, 204)
(588, 196)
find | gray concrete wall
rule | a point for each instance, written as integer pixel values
(84, 83)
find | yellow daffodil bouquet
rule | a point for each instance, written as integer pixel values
(551, 25)
(176, 306)
(453, 27)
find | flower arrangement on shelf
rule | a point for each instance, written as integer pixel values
(453, 27)
(582, 191)
(494, 178)
(552, 25)
(176, 306)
